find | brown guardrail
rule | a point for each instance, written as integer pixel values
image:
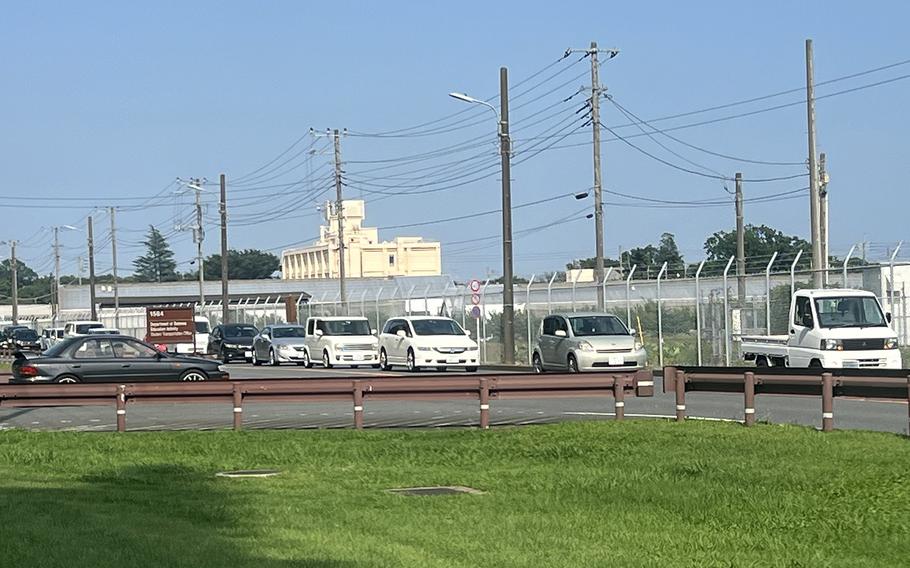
(357, 390)
(828, 383)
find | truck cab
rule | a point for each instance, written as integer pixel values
(832, 329)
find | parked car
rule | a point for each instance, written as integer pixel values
(25, 340)
(279, 344)
(79, 328)
(50, 336)
(424, 341)
(587, 342)
(233, 341)
(6, 336)
(110, 358)
(341, 341)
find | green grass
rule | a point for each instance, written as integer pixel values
(583, 494)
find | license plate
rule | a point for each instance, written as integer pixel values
(248, 354)
(453, 360)
(617, 360)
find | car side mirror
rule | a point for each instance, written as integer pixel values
(888, 317)
(401, 333)
(373, 332)
(560, 333)
(318, 333)
(467, 332)
(633, 331)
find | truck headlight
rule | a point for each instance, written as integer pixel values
(832, 345)
(891, 343)
(585, 346)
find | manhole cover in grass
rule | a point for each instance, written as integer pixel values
(249, 473)
(441, 490)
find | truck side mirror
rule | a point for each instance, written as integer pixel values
(888, 316)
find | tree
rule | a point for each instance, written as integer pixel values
(157, 264)
(249, 264)
(760, 243)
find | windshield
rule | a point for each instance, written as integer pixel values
(849, 311)
(278, 332)
(240, 331)
(60, 347)
(84, 327)
(436, 327)
(344, 327)
(26, 334)
(202, 327)
(586, 326)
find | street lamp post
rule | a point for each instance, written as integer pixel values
(502, 120)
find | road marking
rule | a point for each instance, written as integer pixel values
(94, 420)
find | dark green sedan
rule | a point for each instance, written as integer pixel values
(107, 359)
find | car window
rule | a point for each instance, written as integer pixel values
(549, 326)
(288, 332)
(439, 326)
(126, 349)
(388, 326)
(202, 327)
(311, 327)
(803, 308)
(83, 328)
(586, 326)
(562, 325)
(94, 349)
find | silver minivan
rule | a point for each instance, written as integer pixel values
(579, 342)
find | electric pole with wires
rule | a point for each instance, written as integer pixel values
(339, 214)
(196, 184)
(596, 91)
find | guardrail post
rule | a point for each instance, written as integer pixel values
(484, 404)
(238, 407)
(749, 391)
(680, 396)
(358, 405)
(619, 397)
(827, 402)
(121, 408)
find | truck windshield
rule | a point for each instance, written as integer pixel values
(586, 326)
(344, 327)
(849, 311)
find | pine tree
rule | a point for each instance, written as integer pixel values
(158, 264)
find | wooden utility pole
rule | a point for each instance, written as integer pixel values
(819, 275)
(339, 216)
(225, 297)
(505, 148)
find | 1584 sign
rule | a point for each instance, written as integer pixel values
(170, 325)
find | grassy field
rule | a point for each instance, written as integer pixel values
(582, 494)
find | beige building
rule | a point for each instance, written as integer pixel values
(365, 255)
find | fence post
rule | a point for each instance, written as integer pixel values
(121, 408)
(426, 299)
(363, 303)
(619, 397)
(549, 290)
(629, 296)
(749, 391)
(660, 318)
(768, 293)
(846, 260)
(358, 405)
(378, 295)
(793, 273)
(464, 306)
(701, 265)
(574, 284)
(680, 396)
(408, 299)
(238, 407)
(484, 404)
(528, 315)
(727, 313)
(891, 291)
(827, 402)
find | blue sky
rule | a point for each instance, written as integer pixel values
(111, 102)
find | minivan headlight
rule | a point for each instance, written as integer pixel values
(891, 343)
(638, 346)
(585, 346)
(832, 345)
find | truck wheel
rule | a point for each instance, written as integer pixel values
(815, 364)
(761, 361)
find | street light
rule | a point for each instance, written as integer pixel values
(502, 121)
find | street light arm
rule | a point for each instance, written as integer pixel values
(465, 98)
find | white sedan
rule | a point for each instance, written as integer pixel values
(425, 341)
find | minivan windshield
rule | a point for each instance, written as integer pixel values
(240, 331)
(849, 311)
(436, 327)
(587, 326)
(344, 327)
(280, 332)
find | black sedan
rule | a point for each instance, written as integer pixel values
(109, 358)
(25, 340)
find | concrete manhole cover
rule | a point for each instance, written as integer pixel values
(440, 490)
(249, 473)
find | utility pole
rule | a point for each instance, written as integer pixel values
(819, 275)
(225, 298)
(596, 91)
(740, 243)
(823, 211)
(114, 270)
(199, 236)
(14, 284)
(56, 275)
(505, 146)
(79, 263)
(339, 215)
(91, 268)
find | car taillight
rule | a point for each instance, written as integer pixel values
(28, 371)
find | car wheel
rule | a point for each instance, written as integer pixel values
(225, 358)
(67, 380)
(573, 364)
(256, 361)
(815, 364)
(193, 375)
(306, 360)
(273, 360)
(384, 361)
(326, 362)
(412, 362)
(537, 364)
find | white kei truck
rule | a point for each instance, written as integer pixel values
(830, 329)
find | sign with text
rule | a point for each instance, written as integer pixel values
(170, 325)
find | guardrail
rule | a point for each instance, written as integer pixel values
(827, 383)
(357, 390)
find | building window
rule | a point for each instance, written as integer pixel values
(391, 260)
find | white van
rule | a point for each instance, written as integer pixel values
(80, 328)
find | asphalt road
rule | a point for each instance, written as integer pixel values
(848, 413)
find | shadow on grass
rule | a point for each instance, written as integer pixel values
(155, 516)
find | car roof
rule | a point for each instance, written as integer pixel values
(285, 325)
(583, 314)
(338, 318)
(834, 292)
(83, 322)
(418, 318)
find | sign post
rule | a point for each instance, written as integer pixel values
(168, 326)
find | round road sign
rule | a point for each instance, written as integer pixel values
(475, 285)
(475, 299)
(475, 312)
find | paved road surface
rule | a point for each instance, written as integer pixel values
(849, 413)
